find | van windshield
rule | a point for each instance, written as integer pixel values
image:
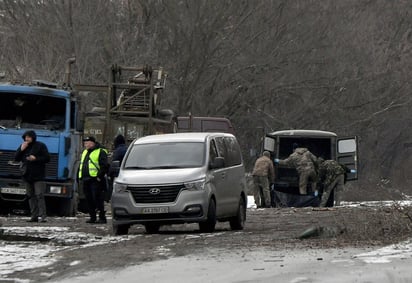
(166, 155)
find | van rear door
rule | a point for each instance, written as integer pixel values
(347, 154)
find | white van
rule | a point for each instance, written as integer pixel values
(180, 178)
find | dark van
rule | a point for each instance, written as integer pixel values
(204, 124)
(322, 144)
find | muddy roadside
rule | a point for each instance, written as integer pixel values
(275, 229)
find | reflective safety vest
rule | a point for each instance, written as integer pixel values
(93, 162)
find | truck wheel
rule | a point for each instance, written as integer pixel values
(152, 228)
(120, 229)
(238, 222)
(208, 226)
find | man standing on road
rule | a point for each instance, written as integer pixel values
(92, 171)
(33, 156)
(263, 175)
(119, 152)
(332, 175)
(305, 163)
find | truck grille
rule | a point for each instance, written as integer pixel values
(166, 193)
(13, 171)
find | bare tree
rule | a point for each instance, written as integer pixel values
(341, 66)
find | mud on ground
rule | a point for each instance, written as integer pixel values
(275, 229)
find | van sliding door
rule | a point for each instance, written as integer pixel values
(347, 154)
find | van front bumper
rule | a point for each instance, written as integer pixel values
(189, 207)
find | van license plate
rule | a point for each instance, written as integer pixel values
(152, 210)
(14, 191)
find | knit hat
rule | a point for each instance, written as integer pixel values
(118, 140)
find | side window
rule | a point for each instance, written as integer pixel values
(220, 143)
(212, 151)
(232, 152)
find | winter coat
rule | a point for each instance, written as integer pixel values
(119, 152)
(33, 170)
(101, 163)
(264, 167)
(118, 155)
(329, 170)
(301, 159)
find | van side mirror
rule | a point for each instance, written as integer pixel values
(217, 162)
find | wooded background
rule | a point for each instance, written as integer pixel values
(341, 66)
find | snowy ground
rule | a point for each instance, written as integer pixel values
(21, 255)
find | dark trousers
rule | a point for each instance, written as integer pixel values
(35, 192)
(95, 198)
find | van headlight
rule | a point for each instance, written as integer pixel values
(197, 185)
(119, 188)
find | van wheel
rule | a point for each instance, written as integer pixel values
(152, 228)
(120, 229)
(208, 226)
(238, 222)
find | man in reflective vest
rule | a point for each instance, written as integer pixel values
(92, 171)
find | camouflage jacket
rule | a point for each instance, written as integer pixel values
(301, 159)
(329, 170)
(264, 167)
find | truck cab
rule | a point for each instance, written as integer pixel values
(53, 114)
(323, 144)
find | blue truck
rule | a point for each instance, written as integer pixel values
(58, 117)
(54, 115)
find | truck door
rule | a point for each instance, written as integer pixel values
(269, 144)
(347, 154)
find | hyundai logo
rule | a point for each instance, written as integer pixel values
(154, 191)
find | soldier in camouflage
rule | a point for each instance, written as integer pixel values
(263, 174)
(304, 162)
(332, 175)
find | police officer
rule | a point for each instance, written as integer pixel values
(92, 171)
(332, 175)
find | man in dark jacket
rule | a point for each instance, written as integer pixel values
(33, 156)
(92, 171)
(119, 152)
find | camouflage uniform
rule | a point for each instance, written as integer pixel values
(304, 162)
(332, 175)
(263, 174)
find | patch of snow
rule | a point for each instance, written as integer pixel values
(22, 255)
(388, 253)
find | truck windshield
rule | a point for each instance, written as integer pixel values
(166, 155)
(32, 111)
